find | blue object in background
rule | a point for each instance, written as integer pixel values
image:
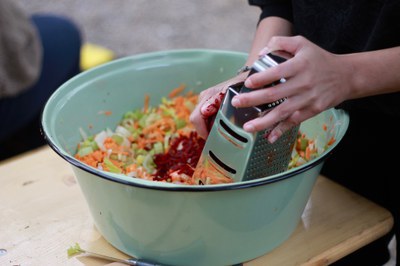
(20, 115)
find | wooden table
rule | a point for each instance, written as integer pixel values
(43, 213)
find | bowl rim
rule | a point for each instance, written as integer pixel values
(137, 182)
(141, 183)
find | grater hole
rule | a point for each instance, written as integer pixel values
(232, 132)
(220, 163)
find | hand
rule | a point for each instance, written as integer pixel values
(208, 104)
(315, 81)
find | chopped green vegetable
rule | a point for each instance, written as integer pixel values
(85, 151)
(118, 139)
(148, 163)
(180, 123)
(140, 159)
(74, 250)
(158, 148)
(190, 105)
(303, 144)
(111, 167)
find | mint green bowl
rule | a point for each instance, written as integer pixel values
(178, 224)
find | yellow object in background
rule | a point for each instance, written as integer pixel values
(93, 55)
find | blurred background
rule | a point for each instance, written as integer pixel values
(118, 28)
(130, 27)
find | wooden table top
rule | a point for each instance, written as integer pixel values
(43, 213)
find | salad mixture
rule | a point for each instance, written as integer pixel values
(160, 144)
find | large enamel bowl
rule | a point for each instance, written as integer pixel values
(178, 224)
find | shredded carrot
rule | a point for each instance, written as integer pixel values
(92, 159)
(181, 112)
(331, 141)
(130, 168)
(177, 91)
(146, 103)
(160, 126)
(98, 155)
(106, 112)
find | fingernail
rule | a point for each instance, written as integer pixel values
(207, 108)
(235, 101)
(204, 109)
(272, 138)
(264, 51)
(249, 127)
(248, 83)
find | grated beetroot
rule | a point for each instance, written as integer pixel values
(182, 156)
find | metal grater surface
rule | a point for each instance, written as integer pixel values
(269, 159)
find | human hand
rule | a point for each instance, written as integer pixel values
(315, 81)
(208, 105)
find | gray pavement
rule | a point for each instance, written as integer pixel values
(136, 26)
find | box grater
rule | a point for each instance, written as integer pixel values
(232, 154)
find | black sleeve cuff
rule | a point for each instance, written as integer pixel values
(277, 8)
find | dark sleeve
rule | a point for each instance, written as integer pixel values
(276, 8)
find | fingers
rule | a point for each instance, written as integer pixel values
(288, 69)
(278, 129)
(290, 45)
(261, 96)
(209, 102)
(280, 119)
(309, 87)
(268, 76)
(313, 83)
(198, 120)
(290, 86)
(290, 112)
(283, 126)
(286, 45)
(200, 125)
(271, 119)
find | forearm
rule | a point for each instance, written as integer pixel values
(267, 28)
(373, 73)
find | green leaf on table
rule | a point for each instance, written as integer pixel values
(74, 250)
